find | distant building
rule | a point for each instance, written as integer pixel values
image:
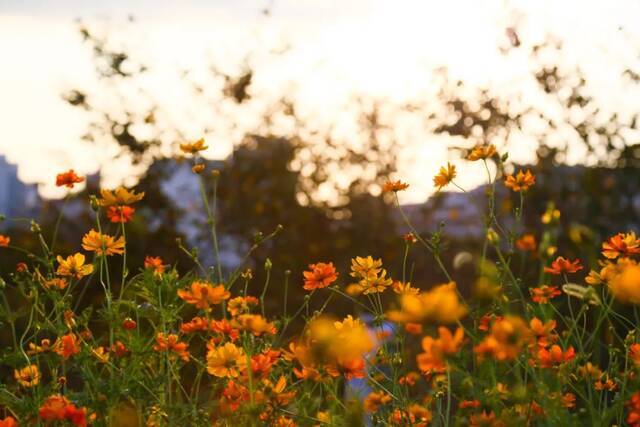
(17, 199)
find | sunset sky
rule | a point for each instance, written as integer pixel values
(381, 48)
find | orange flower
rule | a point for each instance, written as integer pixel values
(481, 152)
(633, 418)
(121, 213)
(256, 324)
(118, 197)
(394, 186)
(240, 305)
(544, 332)
(507, 339)
(4, 241)
(198, 168)
(522, 181)
(527, 243)
(485, 321)
(224, 361)
(66, 346)
(45, 345)
(203, 294)
(172, 343)
(29, 376)
(569, 400)
(562, 265)
(440, 304)
(103, 244)
(634, 354)
(68, 179)
(193, 147)
(55, 283)
(375, 400)
(74, 266)
(58, 408)
(623, 245)
(444, 176)
(319, 275)
(195, 324)
(225, 328)
(155, 264)
(554, 356)
(435, 350)
(469, 404)
(544, 293)
(8, 422)
(607, 385)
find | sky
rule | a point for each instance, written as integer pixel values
(336, 49)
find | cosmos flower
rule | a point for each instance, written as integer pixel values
(621, 245)
(224, 361)
(118, 197)
(482, 152)
(68, 179)
(543, 294)
(444, 176)
(520, 182)
(74, 266)
(394, 186)
(203, 295)
(103, 244)
(120, 214)
(29, 376)
(319, 275)
(562, 265)
(193, 147)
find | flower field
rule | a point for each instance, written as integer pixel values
(160, 348)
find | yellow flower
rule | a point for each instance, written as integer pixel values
(363, 266)
(193, 147)
(445, 176)
(625, 283)
(440, 305)
(482, 152)
(372, 277)
(28, 376)
(118, 197)
(223, 361)
(333, 341)
(102, 244)
(74, 266)
(100, 354)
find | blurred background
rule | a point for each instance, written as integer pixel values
(308, 107)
